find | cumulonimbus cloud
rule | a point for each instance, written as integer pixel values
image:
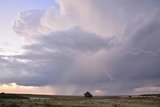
(70, 51)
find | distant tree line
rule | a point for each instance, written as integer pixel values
(158, 95)
(11, 96)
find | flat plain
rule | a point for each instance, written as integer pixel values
(80, 101)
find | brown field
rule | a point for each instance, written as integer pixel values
(80, 101)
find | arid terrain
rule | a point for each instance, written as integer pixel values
(80, 101)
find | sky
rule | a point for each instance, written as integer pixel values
(68, 47)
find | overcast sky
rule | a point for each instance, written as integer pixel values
(67, 47)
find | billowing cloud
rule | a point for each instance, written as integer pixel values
(59, 58)
(104, 46)
(28, 23)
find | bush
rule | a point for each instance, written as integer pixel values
(48, 105)
(115, 105)
(3, 104)
(14, 105)
(88, 94)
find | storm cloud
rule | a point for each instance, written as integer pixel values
(113, 46)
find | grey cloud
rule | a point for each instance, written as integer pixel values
(79, 60)
(51, 61)
(75, 39)
(147, 37)
(132, 71)
(138, 64)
